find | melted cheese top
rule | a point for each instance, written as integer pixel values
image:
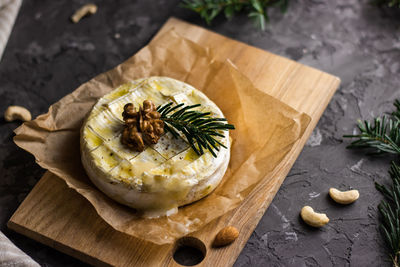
(171, 166)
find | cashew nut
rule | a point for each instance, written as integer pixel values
(345, 197)
(88, 9)
(17, 113)
(312, 218)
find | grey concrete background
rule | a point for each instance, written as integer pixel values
(47, 57)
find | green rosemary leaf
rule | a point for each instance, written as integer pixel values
(383, 190)
(197, 116)
(213, 120)
(182, 110)
(219, 143)
(217, 124)
(257, 6)
(162, 108)
(214, 127)
(200, 144)
(214, 133)
(259, 19)
(212, 142)
(382, 136)
(211, 150)
(387, 236)
(170, 109)
(230, 126)
(189, 115)
(396, 113)
(190, 140)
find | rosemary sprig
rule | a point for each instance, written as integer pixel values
(256, 9)
(384, 137)
(200, 129)
(389, 208)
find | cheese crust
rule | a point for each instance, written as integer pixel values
(164, 176)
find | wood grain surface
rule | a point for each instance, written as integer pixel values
(59, 217)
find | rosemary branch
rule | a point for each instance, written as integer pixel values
(200, 129)
(396, 114)
(389, 209)
(256, 9)
(383, 136)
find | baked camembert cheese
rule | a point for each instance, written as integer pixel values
(163, 176)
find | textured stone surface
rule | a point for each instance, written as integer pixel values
(47, 57)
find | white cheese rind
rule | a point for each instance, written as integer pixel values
(164, 176)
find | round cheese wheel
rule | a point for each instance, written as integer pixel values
(165, 175)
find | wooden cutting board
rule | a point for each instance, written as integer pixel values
(61, 218)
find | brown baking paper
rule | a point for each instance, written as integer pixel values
(266, 130)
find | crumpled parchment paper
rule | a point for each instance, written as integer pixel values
(266, 130)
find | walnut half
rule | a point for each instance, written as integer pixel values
(141, 127)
